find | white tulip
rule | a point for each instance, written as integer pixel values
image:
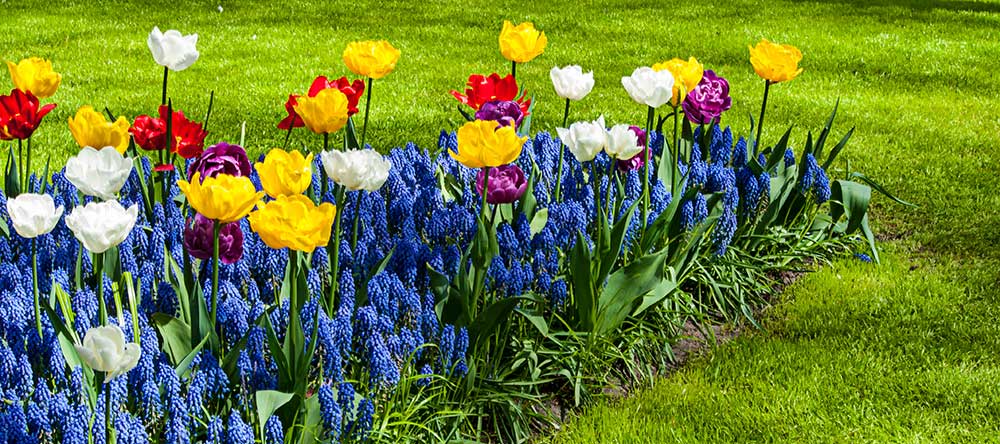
(102, 225)
(356, 169)
(173, 50)
(571, 82)
(33, 214)
(99, 173)
(649, 87)
(585, 139)
(622, 143)
(104, 349)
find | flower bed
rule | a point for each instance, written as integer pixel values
(189, 294)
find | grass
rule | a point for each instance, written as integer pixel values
(903, 352)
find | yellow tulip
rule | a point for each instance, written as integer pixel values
(284, 173)
(91, 128)
(36, 76)
(774, 62)
(324, 113)
(521, 43)
(371, 58)
(224, 198)
(293, 222)
(686, 74)
(481, 144)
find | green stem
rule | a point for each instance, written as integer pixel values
(513, 69)
(20, 160)
(107, 413)
(611, 176)
(102, 310)
(333, 248)
(597, 197)
(486, 191)
(645, 167)
(561, 151)
(163, 98)
(34, 285)
(676, 151)
(324, 184)
(216, 229)
(760, 122)
(27, 166)
(357, 217)
(368, 104)
(288, 136)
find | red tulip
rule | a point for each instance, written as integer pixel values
(149, 133)
(352, 90)
(482, 89)
(20, 115)
(188, 136)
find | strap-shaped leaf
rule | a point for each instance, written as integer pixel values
(583, 289)
(849, 199)
(778, 151)
(837, 149)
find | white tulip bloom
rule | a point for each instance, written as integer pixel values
(571, 82)
(102, 225)
(33, 214)
(623, 144)
(173, 50)
(104, 350)
(99, 173)
(650, 87)
(585, 139)
(356, 169)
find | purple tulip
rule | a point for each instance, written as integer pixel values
(707, 101)
(507, 184)
(638, 160)
(221, 158)
(198, 240)
(506, 112)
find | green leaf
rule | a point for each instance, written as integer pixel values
(870, 237)
(880, 189)
(538, 222)
(821, 140)
(268, 402)
(351, 135)
(311, 425)
(850, 199)
(492, 316)
(12, 180)
(625, 287)
(465, 114)
(525, 128)
(184, 367)
(778, 152)
(176, 337)
(583, 289)
(837, 149)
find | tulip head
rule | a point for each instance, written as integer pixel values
(357, 169)
(482, 89)
(482, 143)
(223, 198)
(221, 158)
(98, 173)
(649, 87)
(623, 143)
(102, 225)
(585, 139)
(327, 112)
(775, 63)
(505, 113)
(506, 185)
(686, 74)
(172, 50)
(571, 82)
(33, 215)
(20, 114)
(36, 76)
(373, 58)
(707, 101)
(284, 173)
(91, 128)
(293, 222)
(521, 43)
(199, 239)
(104, 349)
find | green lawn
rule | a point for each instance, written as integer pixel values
(906, 351)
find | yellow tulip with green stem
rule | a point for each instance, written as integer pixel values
(775, 63)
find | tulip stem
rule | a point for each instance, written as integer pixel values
(102, 310)
(513, 69)
(760, 122)
(597, 197)
(34, 285)
(368, 104)
(677, 146)
(107, 413)
(645, 167)
(163, 98)
(288, 136)
(611, 176)
(486, 191)
(322, 171)
(216, 229)
(561, 151)
(357, 217)
(27, 166)
(20, 160)
(333, 248)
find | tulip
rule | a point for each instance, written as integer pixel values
(102, 225)
(775, 63)
(149, 133)
(293, 222)
(20, 115)
(571, 83)
(221, 158)
(172, 50)
(223, 198)
(649, 87)
(352, 90)
(686, 74)
(482, 89)
(199, 240)
(371, 59)
(36, 76)
(104, 349)
(325, 113)
(91, 128)
(99, 173)
(585, 139)
(481, 143)
(187, 136)
(506, 185)
(505, 113)
(284, 173)
(364, 169)
(521, 43)
(707, 101)
(623, 143)
(638, 160)
(33, 215)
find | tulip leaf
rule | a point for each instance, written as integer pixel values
(778, 151)
(176, 337)
(580, 278)
(849, 199)
(268, 402)
(538, 222)
(625, 288)
(12, 180)
(184, 367)
(821, 140)
(880, 189)
(490, 318)
(837, 149)
(465, 114)
(351, 135)
(311, 425)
